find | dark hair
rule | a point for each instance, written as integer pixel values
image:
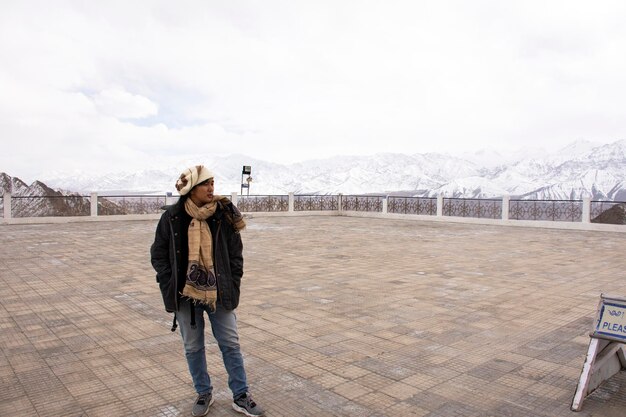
(183, 198)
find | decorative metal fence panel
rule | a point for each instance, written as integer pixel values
(316, 203)
(610, 212)
(129, 204)
(260, 203)
(549, 210)
(50, 206)
(412, 205)
(363, 203)
(472, 207)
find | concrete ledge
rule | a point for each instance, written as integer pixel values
(494, 222)
(290, 213)
(418, 217)
(515, 223)
(78, 219)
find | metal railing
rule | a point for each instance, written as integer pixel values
(506, 209)
(130, 204)
(50, 206)
(549, 210)
(412, 205)
(315, 202)
(363, 203)
(263, 203)
(611, 212)
(473, 207)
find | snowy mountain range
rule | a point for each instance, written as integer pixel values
(580, 169)
(23, 206)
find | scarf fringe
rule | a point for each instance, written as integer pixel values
(203, 297)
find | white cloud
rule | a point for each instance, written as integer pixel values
(114, 85)
(121, 104)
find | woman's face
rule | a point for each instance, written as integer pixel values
(202, 193)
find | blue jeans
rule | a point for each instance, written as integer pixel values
(224, 327)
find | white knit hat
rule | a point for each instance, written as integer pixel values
(191, 177)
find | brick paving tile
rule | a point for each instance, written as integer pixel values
(339, 316)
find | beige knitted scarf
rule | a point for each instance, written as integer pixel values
(201, 284)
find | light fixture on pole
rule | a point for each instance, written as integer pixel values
(248, 180)
(246, 170)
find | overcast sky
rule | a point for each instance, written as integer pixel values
(125, 85)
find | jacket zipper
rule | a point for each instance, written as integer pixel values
(173, 240)
(217, 236)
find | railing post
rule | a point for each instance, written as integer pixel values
(6, 200)
(439, 205)
(291, 202)
(93, 201)
(506, 203)
(385, 205)
(168, 198)
(586, 210)
(340, 198)
(234, 198)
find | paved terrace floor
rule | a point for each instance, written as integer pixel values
(339, 317)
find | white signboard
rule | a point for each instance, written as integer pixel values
(606, 355)
(611, 319)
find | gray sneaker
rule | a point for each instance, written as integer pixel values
(246, 405)
(202, 404)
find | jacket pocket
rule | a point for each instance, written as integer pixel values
(168, 291)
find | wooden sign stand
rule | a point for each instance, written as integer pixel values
(606, 355)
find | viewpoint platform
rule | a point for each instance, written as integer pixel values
(339, 316)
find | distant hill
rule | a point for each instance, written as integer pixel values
(615, 215)
(38, 200)
(580, 169)
(28, 201)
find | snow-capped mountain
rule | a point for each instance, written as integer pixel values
(27, 204)
(39, 200)
(579, 169)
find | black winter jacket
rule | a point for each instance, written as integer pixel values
(169, 254)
